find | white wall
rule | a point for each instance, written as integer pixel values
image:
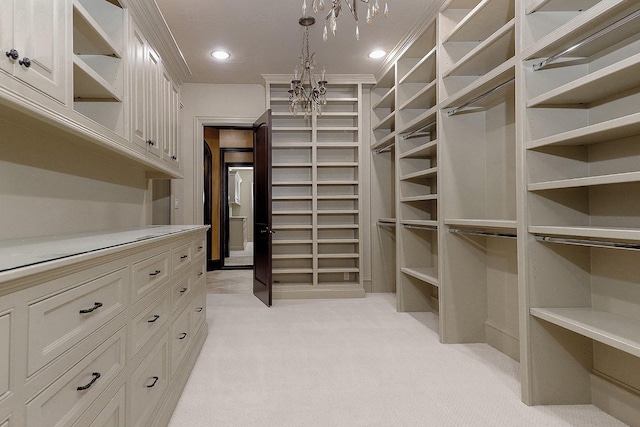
(208, 104)
(49, 186)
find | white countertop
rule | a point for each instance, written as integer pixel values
(18, 253)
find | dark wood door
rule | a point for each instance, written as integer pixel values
(262, 274)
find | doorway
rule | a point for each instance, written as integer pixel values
(228, 151)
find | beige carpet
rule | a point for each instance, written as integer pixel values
(354, 362)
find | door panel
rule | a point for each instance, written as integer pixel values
(262, 274)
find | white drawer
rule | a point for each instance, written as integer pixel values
(148, 322)
(150, 274)
(180, 338)
(199, 247)
(181, 256)
(181, 291)
(58, 322)
(148, 382)
(199, 271)
(198, 307)
(113, 414)
(5, 352)
(68, 397)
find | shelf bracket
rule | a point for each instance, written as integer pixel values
(483, 233)
(456, 110)
(619, 23)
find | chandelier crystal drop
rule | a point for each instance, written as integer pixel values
(307, 92)
(330, 22)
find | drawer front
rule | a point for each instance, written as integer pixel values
(5, 346)
(148, 322)
(113, 414)
(198, 307)
(148, 382)
(181, 291)
(150, 274)
(60, 321)
(69, 396)
(181, 257)
(199, 247)
(180, 338)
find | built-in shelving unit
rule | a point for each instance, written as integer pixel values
(99, 31)
(581, 127)
(316, 195)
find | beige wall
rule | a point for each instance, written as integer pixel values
(213, 105)
(49, 186)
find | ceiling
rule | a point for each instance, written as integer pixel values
(264, 37)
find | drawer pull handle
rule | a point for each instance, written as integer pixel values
(13, 54)
(183, 290)
(200, 248)
(155, 273)
(96, 306)
(155, 380)
(150, 142)
(200, 274)
(96, 375)
(155, 317)
(182, 336)
(184, 257)
(199, 309)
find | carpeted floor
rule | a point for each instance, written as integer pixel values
(353, 362)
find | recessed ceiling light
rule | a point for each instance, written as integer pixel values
(377, 54)
(220, 54)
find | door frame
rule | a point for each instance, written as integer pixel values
(224, 205)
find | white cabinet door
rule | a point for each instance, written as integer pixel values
(138, 97)
(40, 31)
(6, 35)
(175, 128)
(154, 90)
(166, 123)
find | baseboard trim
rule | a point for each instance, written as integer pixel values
(317, 292)
(616, 399)
(503, 340)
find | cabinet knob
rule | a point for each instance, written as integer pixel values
(150, 142)
(199, 310)
(174, 157)
(13, 54)
(95, 375)
(25, 61)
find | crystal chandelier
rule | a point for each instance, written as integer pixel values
(306, 91)
(336, 7)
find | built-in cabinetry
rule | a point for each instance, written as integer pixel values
(101, 328)
(316, 193)
(529, 227)
(86, 70)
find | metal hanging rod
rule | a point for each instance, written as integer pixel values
(590, 243)
(483, 233)
(385, 149)
(382, 223)
(421, 227)
(587, 40)
(456, 110)
(417, 133)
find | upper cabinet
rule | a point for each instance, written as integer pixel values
(33, 35)
(105, 72)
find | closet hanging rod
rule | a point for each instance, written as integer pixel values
(386, 224)
(483, 233)
(416, 133)
(421, 227)
(456, 110)
(587, 40)
(590, 243)
(385, 149)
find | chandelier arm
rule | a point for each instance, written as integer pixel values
(353, 8)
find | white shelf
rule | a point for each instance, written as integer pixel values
(291, 198)
(422, 152)
(89, 38)
(337, 182)
(426, 173)
(420, 121)
(387, 100)
(329, 241)
(420, 72)
(292, 270)
(622, 333)
(339, 114)
(618, 128)
(292, 256)
(337, 145)
(422, 99)
(484, 224)
(338, 256)
(347, 99)
(339, 197)
(292, 227)
(387, 122)
(420, 223)
(337, 211)
(296, 183)
(337, 164)
(425, 198)
(427, 275)
(88, 85)
(292, 165)
(292, 242)
(618, 178)
(339, 270)
(606, 233)
(482, 21)
(560, 5)
(291, 128)
(292, 212)
(608, 81)
(337, 128)
(338, 227)
(497, 76)
(487, 55)
(384, 142)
